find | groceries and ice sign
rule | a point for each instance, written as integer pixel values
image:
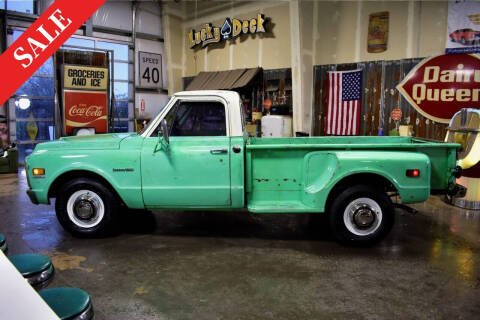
(441, 85)
(463, 31)
(81, 77)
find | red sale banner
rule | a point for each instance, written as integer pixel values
(85, 109)
(41, 40)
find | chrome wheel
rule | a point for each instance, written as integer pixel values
(362, 216)
(85, 208)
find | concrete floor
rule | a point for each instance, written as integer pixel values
(223, 265)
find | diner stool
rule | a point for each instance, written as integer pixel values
(68, 303)
(36, 268)
(3, 244)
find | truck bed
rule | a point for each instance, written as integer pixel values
(277, 166)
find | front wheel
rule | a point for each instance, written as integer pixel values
(361, 215)
(87, 208)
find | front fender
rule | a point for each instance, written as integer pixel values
(120, 169)
(323, 170)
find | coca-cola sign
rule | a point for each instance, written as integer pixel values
(441, 85)
(85, 109)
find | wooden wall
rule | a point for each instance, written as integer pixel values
(379, 97)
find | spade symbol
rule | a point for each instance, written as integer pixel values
(226, 29)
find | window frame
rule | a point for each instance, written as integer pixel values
(172, 103)
(191, 108)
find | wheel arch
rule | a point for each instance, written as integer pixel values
(367, 178)
(74, 174)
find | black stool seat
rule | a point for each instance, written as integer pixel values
(36, 268)
(3, 243)
(68, 303)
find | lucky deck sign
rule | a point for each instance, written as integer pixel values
(231, 28)
(86, 109)
(441, 85)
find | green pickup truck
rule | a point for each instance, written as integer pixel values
(195, 155)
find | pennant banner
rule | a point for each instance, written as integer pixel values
(41, 40)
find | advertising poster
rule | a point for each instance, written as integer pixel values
(463, 31)
(378, 32)
(86, 109)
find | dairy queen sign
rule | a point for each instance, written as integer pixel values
(441, 85)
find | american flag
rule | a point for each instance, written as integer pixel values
(343, 102)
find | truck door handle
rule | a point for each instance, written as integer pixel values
(218, 151)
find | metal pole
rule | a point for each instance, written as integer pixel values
(134, 40)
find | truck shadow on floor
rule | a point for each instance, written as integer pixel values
(412, 235)
(228, 224)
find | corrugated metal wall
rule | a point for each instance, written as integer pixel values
(378, 99)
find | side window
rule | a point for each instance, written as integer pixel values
(193, 119)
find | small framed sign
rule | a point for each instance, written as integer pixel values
(150, 70)
(378, 32)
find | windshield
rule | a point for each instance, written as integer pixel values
(152, 121)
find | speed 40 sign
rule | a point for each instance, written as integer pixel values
(150, 70)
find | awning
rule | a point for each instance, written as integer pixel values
(223, 79)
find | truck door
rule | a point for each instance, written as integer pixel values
(194, 170)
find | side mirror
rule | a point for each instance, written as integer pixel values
(164, 131)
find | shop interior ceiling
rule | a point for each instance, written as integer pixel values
(379, 98)
(197, 8)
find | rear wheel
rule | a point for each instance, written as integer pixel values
(87, 208)
(361, 215)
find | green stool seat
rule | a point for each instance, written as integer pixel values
(3, 243)
(68, 303)
(36, 268)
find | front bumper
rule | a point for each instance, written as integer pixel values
(32, 196)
